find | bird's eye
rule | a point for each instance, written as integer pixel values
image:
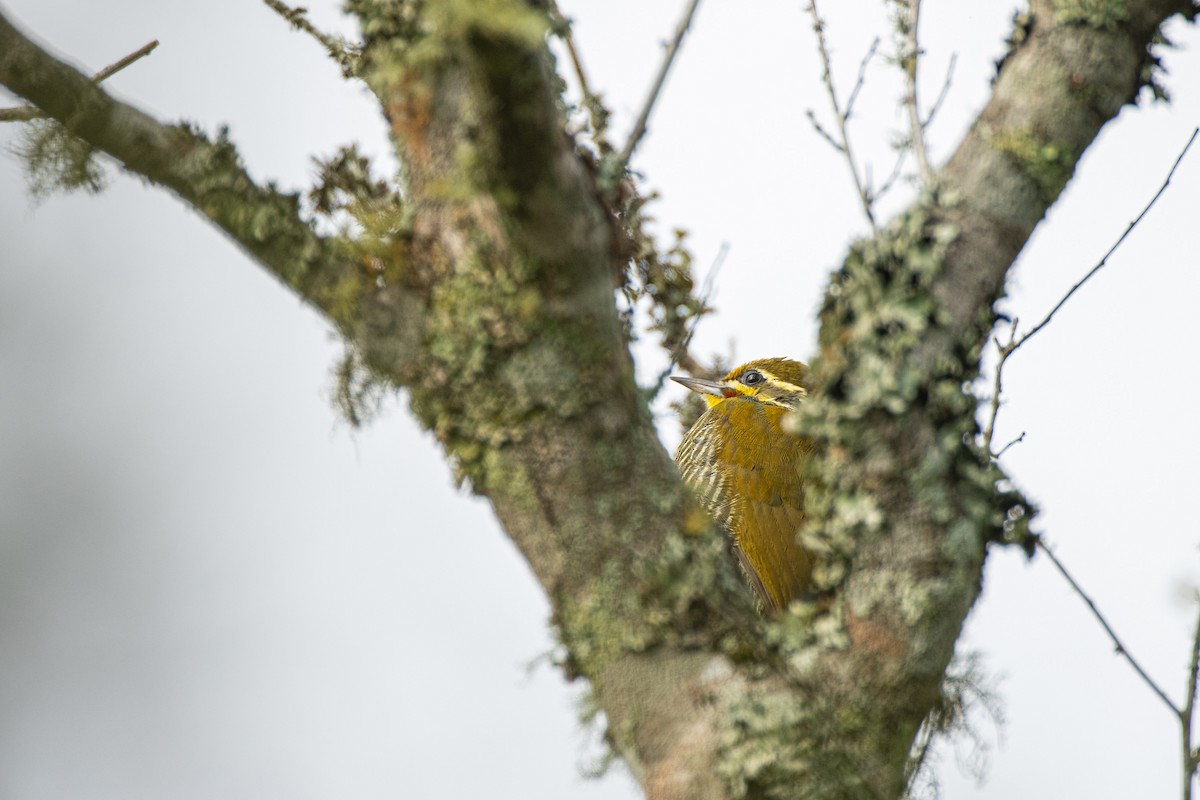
(752, 377)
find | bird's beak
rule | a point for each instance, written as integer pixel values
(701, 386)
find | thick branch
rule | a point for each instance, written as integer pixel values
(900, 502)
(529, 385)
(1053, 95)
(27, 113)
(328, 272)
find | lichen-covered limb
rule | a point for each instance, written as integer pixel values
(903, 506)
(528, 382)
(1079, 62)
(506, 266)
(208, 175)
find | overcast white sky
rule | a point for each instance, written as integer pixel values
(210, 587)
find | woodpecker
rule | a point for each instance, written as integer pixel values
(742, 466)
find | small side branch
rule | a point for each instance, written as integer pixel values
(30, 113)
(1189, 755)
(1011, 444)
(861, 79)
(1191, 758)
(841, 142)
(1104, 260)
(945, 90)
(597, 113)
(910, 58)
(639, 127)
(1005, 351)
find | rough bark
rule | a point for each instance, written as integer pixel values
(494, 306)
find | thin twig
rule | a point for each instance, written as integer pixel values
(591, 100)
(1015, 342)
(897, 168)
(120, 64)
(858, 82)
(1128, 229)
(1190, 759)
(1004, 449)
(568, 39)
(910, 59)
(843, 141)
(1120, 648)
(28, 113)
(824, 134)
(1005, 351)
(639, 127)
(941, 98)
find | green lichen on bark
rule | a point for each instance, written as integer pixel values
(775, 742)
(878, 309)
(880, 312)
(1047, 164)
(1102, 14)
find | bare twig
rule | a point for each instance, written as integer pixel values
(858, 82)
(120, 64)
(897, 168)
(568, 38)
(824, 134)
(1128, 229)
(592, 103)
(639, 127)
(1006, 447)
(1191, 759)
(1189, 756)
(910, 57)
(1120, 647)
(945, 90)
(1005, 351)
(28, 113)
(842, 143)
(1015, 342)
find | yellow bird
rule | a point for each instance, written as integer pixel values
(743, 467)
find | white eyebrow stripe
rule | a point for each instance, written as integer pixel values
(791, 387)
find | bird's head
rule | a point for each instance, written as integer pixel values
(772, 381)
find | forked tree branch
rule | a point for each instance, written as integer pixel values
(526, 379)
(1185, 716)
(841, 115)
